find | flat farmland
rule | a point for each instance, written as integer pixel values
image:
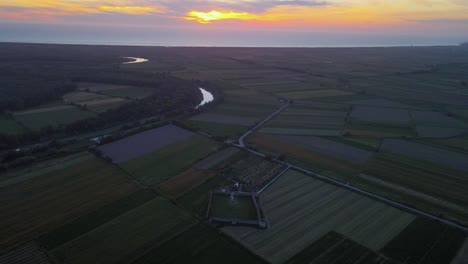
(452, 159)
(88, 222)
(79, 96)
(111, 90)
(436, 119)
(420, 242)
(331, 148)
(9, 127)
(101, 106)
(99, 87)
(30, 252)
(459, 144)
(439, 132)
(37, 169)
(160, 165)
(148, 225)
(184, 182)
(303, 111)
(378, 130)
(225, 119)
(325, 122)
(432, 187)
(129, 92)
(300, 131)
(217, 129)
(307, 157)
(217, 158)
(336, 248)
(314, 94)
(301, 210)
(142, 143)
(378, 102)
(389, 116)
(54, 116)
(57, 197)
(199, 244)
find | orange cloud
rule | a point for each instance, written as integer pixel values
(214, 15)
(71, 7)
(131, 10)
(296, 15)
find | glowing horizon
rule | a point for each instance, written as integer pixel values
(431, 16)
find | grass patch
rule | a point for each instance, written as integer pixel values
(9, 127)
(168, 161)
(129, 92)
(199, 244)
(336, 248)
(197, 199)
(58, 197)
(424, 184)
(88, 222)
(425, 241)
(148, 225)
(217, 129)
(38, 120)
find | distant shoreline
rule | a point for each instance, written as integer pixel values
(201, 46)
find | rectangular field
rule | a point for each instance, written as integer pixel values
(42, 117)
(307, 157)
(129, 92)
(9, 127)
(94, 219)
(217, 129)
(137, 145)
(225, 119)
(184, 182)
(200, 244)
(434, 188)
(160, 165)
(425, 241)
(331, 148)
(389, 116)
(314, 94)
(79, 97)
(148, 225)
(57, 197)
(300, 131)
(301, 210)
(452, 159)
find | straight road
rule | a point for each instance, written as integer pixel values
(246, 134)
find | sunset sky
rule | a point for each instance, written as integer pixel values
(236, 22)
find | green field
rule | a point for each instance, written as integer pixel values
(336, 248)
(9, 126)
(100, 108)
(197, 199)
(199, 244)
(425, 241)
(146, 226)
(300, 131)
(42, 118)
(238, 207)
(37, 169)
(217, 129)
(56, 197)
(129, 92)
(432, 187)
(168, 161)
(93, 220)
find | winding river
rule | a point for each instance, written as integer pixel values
(134, 60)
(207, 96)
